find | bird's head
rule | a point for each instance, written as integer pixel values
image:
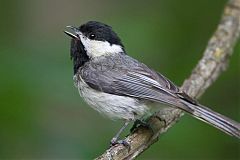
(97, 39)
(91, 40)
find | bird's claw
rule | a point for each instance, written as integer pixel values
(114, 142)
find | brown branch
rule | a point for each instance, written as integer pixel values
(208, 69)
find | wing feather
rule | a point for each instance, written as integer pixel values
(130, 78)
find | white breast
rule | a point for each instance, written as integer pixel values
(113, 106)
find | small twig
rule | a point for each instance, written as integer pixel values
(208, 69)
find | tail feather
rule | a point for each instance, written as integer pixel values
(215, 119)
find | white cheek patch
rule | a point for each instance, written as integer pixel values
(98, 48)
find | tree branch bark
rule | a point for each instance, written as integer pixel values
(208, 69)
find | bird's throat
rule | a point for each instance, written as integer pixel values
(78, 54)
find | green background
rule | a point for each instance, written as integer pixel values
(41, 113)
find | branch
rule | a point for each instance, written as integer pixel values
(208, 69)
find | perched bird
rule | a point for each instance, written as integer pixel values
(121, 87)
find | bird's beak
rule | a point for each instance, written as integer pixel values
(75, 34)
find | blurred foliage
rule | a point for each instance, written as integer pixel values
(41, 113)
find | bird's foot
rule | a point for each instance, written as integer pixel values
(114, 142)
(140, 122)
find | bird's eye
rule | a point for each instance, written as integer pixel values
(92, 36)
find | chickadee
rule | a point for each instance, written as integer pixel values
(121, 87)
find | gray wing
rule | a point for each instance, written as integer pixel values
(136, 81)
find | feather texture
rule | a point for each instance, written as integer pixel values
(122, 76)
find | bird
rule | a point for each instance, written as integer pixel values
(120, 87)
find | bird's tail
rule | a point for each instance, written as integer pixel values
(215, 119)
